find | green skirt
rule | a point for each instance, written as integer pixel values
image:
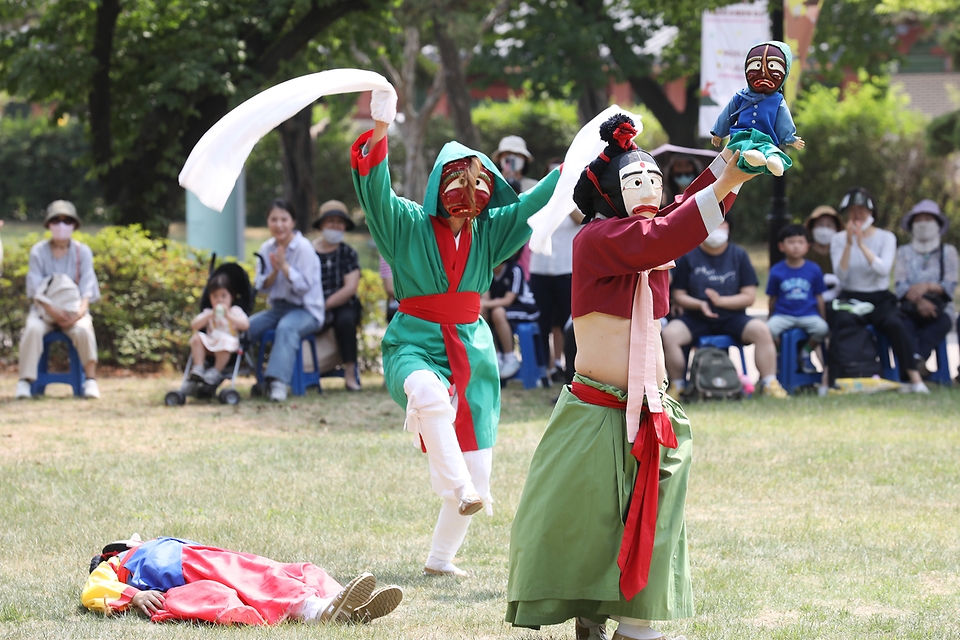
(566, 534)
(753, 139)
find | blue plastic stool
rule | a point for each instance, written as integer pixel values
(890, 368)
(301, 379)
(533, 362)
(724, 342)
(788, 372)
(942, 375)
(75, 377)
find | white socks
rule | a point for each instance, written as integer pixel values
(448, 535)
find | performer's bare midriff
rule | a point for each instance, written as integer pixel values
(603, 348)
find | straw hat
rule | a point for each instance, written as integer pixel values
(333, 209)
(819, 212)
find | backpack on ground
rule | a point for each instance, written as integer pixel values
(713, 375)
(853, 351)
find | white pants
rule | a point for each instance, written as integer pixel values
(453, 473)
(81, 334)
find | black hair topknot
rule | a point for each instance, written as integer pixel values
(610, 125)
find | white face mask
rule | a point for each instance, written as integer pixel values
(61, 231)
(333, 236)
(925, 230)
(867, 223)
(823, 235)
(717, 238)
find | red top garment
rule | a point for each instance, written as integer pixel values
(609, 254)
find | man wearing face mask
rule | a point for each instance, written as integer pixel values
(715, 283)
(439, 358)
(340, 276)
(600, 531)
(863, 257)
(925, 278)
(60, 255)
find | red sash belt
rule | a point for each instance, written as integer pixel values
(459, 307)
(640, 529)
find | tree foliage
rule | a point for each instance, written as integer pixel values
(149, 78)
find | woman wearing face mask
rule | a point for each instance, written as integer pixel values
(288, 271)
(715, 283)
(439, 359)
(340, 274)
(863, 257)
(60, 255)
(925, 279)
(822, 224)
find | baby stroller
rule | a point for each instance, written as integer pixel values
(243, 297)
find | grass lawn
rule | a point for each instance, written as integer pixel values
(828, 518)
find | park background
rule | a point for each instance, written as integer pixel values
(822, 518)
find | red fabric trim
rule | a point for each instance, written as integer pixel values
(125, 598)
(594, 396)
(459, 307)
(596, 183)
(640, 529)
(365, 163)
(454, 260)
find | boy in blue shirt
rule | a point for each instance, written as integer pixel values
(796, 291)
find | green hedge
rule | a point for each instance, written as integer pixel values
(150, 291)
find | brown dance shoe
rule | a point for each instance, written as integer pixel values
(355, 594)
(381, 602)
(584, 632)
(470, 504)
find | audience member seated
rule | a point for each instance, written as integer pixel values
(925, 279)
(62, 285)
(550, 285)
(507, 303)
(340, 274)
(822, 225)
(795, 291)
(288, 271)
(863, 257)
(714, 284)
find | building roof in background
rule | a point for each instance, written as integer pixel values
(933, 94)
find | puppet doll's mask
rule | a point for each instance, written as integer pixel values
(465, 188)
(766, 68)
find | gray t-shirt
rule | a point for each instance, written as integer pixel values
(77, 264)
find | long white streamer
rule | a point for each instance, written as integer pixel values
(212, 169)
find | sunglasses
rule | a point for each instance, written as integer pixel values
(69, 221)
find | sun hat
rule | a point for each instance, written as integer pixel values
(925, 206)
(512, 144)
(819, 212)
(59, 208)
(333, 209)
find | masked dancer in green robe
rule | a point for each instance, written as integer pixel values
(439, 358)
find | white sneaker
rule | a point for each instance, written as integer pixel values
(509, 366)
(212, 377)
(917, 387)
(91, 389)
(278, 391)
(23, 389)
(196, 372)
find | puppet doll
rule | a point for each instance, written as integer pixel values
(757, 118)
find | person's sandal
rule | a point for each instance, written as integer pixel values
(383, 601)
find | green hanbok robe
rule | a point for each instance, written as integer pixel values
(419, 246)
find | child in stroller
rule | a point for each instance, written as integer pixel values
(226, 303)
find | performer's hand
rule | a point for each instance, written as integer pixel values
(383, 105)
(149, 602)
(731, 177)
(798, 143)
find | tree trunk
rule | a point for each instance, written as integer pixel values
(458, 93)
(592, 101)
(298, 166)
(681, 127)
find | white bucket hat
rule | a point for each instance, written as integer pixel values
(512, 144)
